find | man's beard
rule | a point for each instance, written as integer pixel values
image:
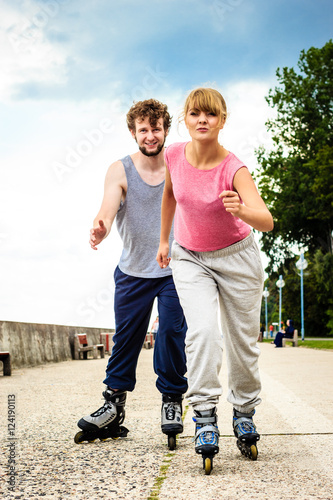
(152, 153)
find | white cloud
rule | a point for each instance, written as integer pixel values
(248, 112)
(45, 255)
(25, 52)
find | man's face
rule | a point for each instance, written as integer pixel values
(150, 139)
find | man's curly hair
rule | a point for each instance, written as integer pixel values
(152, 109)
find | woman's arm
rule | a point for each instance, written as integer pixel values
(253, 211)
(167, 214)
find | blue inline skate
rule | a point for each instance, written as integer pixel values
(206, 437)
(246, 434)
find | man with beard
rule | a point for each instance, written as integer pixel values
(132, 195)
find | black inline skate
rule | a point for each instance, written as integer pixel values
(171, 417)
(105, 422)
(246, 434)
(206, 437)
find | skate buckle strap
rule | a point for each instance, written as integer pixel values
(118, 398)
(239, 414)
(116, 402)
(242, 419)
(206, 428)
(203, 420)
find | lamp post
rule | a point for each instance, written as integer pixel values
(302, 264)
(265, 294)
(280, 284)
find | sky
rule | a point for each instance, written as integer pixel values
(69, 72)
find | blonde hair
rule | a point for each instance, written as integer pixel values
(208, 100)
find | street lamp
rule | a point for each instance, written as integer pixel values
(302, 264)
(265, 294)
(280, 284)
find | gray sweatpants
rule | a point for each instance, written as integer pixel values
(221, 289)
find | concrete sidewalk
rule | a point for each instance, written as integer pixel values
(40, 407)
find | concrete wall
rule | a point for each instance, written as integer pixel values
(32, 344)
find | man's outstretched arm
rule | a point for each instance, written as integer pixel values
(115, 187)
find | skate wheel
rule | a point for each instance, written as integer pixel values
(115, 438)
(123, 431)
(208, 465)
(254, 452)
(172, 442)
(77, 437)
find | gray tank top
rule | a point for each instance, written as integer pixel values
(139, 222)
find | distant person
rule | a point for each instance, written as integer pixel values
(132, 195)
(217, 270)
(288, 333)
(271, 330)
(154, 328)
(261, 334)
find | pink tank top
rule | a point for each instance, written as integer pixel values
(201, 221)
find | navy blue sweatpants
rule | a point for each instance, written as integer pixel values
(134, 298)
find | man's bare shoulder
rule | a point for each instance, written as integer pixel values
(116, 174)
(116, 167)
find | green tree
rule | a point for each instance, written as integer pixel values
(322, 271)
(295, 177)
(318, 296)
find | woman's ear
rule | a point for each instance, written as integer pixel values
(223, 123)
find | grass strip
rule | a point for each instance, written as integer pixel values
(310, 344)
(316, 344)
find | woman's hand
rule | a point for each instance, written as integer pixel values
(246, 203)
(231, 202)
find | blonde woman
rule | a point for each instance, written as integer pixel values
(217, 270)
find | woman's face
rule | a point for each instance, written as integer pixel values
(202, 124)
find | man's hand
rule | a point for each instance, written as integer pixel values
(162, 255)
(97, 234)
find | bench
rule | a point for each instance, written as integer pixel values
(7, 367)
(149, 341)
(294, 340)
(81, 346)
(106, 338)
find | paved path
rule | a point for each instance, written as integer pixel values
(295, 451)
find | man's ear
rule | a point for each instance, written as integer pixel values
(133, 134)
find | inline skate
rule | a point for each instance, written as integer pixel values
(171, 418)
(105, 422)
(246, 434)
(206, 436)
